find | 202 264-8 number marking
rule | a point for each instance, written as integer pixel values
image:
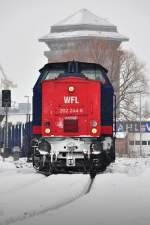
(70, 110)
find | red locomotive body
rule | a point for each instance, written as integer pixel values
(71, 107)
(73, 119)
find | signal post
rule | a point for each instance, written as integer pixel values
(6, 103)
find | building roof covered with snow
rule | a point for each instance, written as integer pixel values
(83, 16)
(80, 28)
(83, 24)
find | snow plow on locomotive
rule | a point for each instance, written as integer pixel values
(73, 119)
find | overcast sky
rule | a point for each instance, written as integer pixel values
(22, 22)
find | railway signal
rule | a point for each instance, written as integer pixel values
(6, 103)
(6, 98)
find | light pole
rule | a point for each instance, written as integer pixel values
(140, 93)
(27, 128)
(140, 124)
(28, 108)
(6, 128)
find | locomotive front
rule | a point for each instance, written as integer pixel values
(68, 130)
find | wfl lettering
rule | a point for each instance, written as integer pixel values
(71, 100)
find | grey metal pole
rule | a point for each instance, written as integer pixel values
(27, 130)
(6, 128)
(140, 125)
(27, 113)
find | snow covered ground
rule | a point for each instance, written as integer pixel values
(120, 196)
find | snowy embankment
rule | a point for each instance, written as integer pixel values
(27, 195)
(120, 196)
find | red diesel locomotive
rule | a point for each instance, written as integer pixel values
(73, 119)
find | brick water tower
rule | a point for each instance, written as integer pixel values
(85, 37)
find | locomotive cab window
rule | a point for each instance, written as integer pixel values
(93, 74)
(52, 74)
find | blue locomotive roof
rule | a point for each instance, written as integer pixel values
(75, 68)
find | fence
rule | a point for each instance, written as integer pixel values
(18, 135)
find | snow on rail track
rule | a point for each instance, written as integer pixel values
(24, 196)
(121, 192)
(15, 175)
(50, 194)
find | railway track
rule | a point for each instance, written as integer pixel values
(45, 209)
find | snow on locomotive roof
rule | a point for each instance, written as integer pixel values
(81, 64)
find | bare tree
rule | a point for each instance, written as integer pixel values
(146, 111)
(132, 83)
(125, 71)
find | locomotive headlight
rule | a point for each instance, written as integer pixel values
(47, 130)
(94, 131)
(71, 88)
